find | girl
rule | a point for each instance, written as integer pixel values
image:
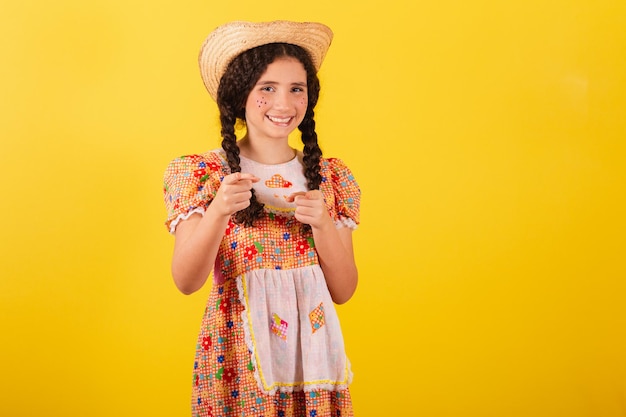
(273, 224)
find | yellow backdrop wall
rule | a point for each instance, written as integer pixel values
(488, 139)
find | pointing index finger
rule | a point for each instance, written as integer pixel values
(240, 176)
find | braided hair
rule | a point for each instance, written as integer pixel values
(240, 77)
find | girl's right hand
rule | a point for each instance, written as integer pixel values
(234, 193)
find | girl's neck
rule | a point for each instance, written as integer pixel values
(268, 152)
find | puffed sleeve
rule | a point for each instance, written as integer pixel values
(347, 194)
(190, 184)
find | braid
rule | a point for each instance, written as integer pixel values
(312, 152)
(248, 215)
(229, 142)
(228, 118)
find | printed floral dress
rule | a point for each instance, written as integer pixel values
(270, 343)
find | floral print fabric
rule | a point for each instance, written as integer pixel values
(228, 366)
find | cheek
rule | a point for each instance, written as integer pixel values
(261, 102)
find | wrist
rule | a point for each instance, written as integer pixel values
(216, 214)
(325, 226)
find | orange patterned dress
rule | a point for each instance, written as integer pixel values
(270, 343)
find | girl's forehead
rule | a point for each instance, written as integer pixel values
(285, 66)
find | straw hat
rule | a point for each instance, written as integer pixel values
(229, 40)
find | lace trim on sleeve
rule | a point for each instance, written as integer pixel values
(345, 222)
(184, 216)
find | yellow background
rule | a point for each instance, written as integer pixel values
(488, 139)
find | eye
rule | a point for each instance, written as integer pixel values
(298, 90)
(267, 88)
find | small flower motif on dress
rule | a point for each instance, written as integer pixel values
(302, 246)
(279, 326)
(250, 251)
(201, 173)
(229, 228)
(206, 342)
(224, 305)
(317, 317)
(229, 374)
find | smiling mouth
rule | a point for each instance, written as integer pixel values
(280, 120)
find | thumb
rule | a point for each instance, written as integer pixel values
(292, 197)
(313, 194)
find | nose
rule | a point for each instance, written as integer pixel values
(282, 100)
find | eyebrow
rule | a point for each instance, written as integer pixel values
(299, 84)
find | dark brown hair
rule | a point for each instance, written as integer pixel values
(240, 77)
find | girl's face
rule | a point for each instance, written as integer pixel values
(277, 103)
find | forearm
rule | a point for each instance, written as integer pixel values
(334, 248)
(197, 243)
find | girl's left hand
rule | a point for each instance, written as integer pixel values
(310, 208)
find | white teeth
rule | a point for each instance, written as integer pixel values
(279, 119)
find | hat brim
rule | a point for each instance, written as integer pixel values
(229, 40)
